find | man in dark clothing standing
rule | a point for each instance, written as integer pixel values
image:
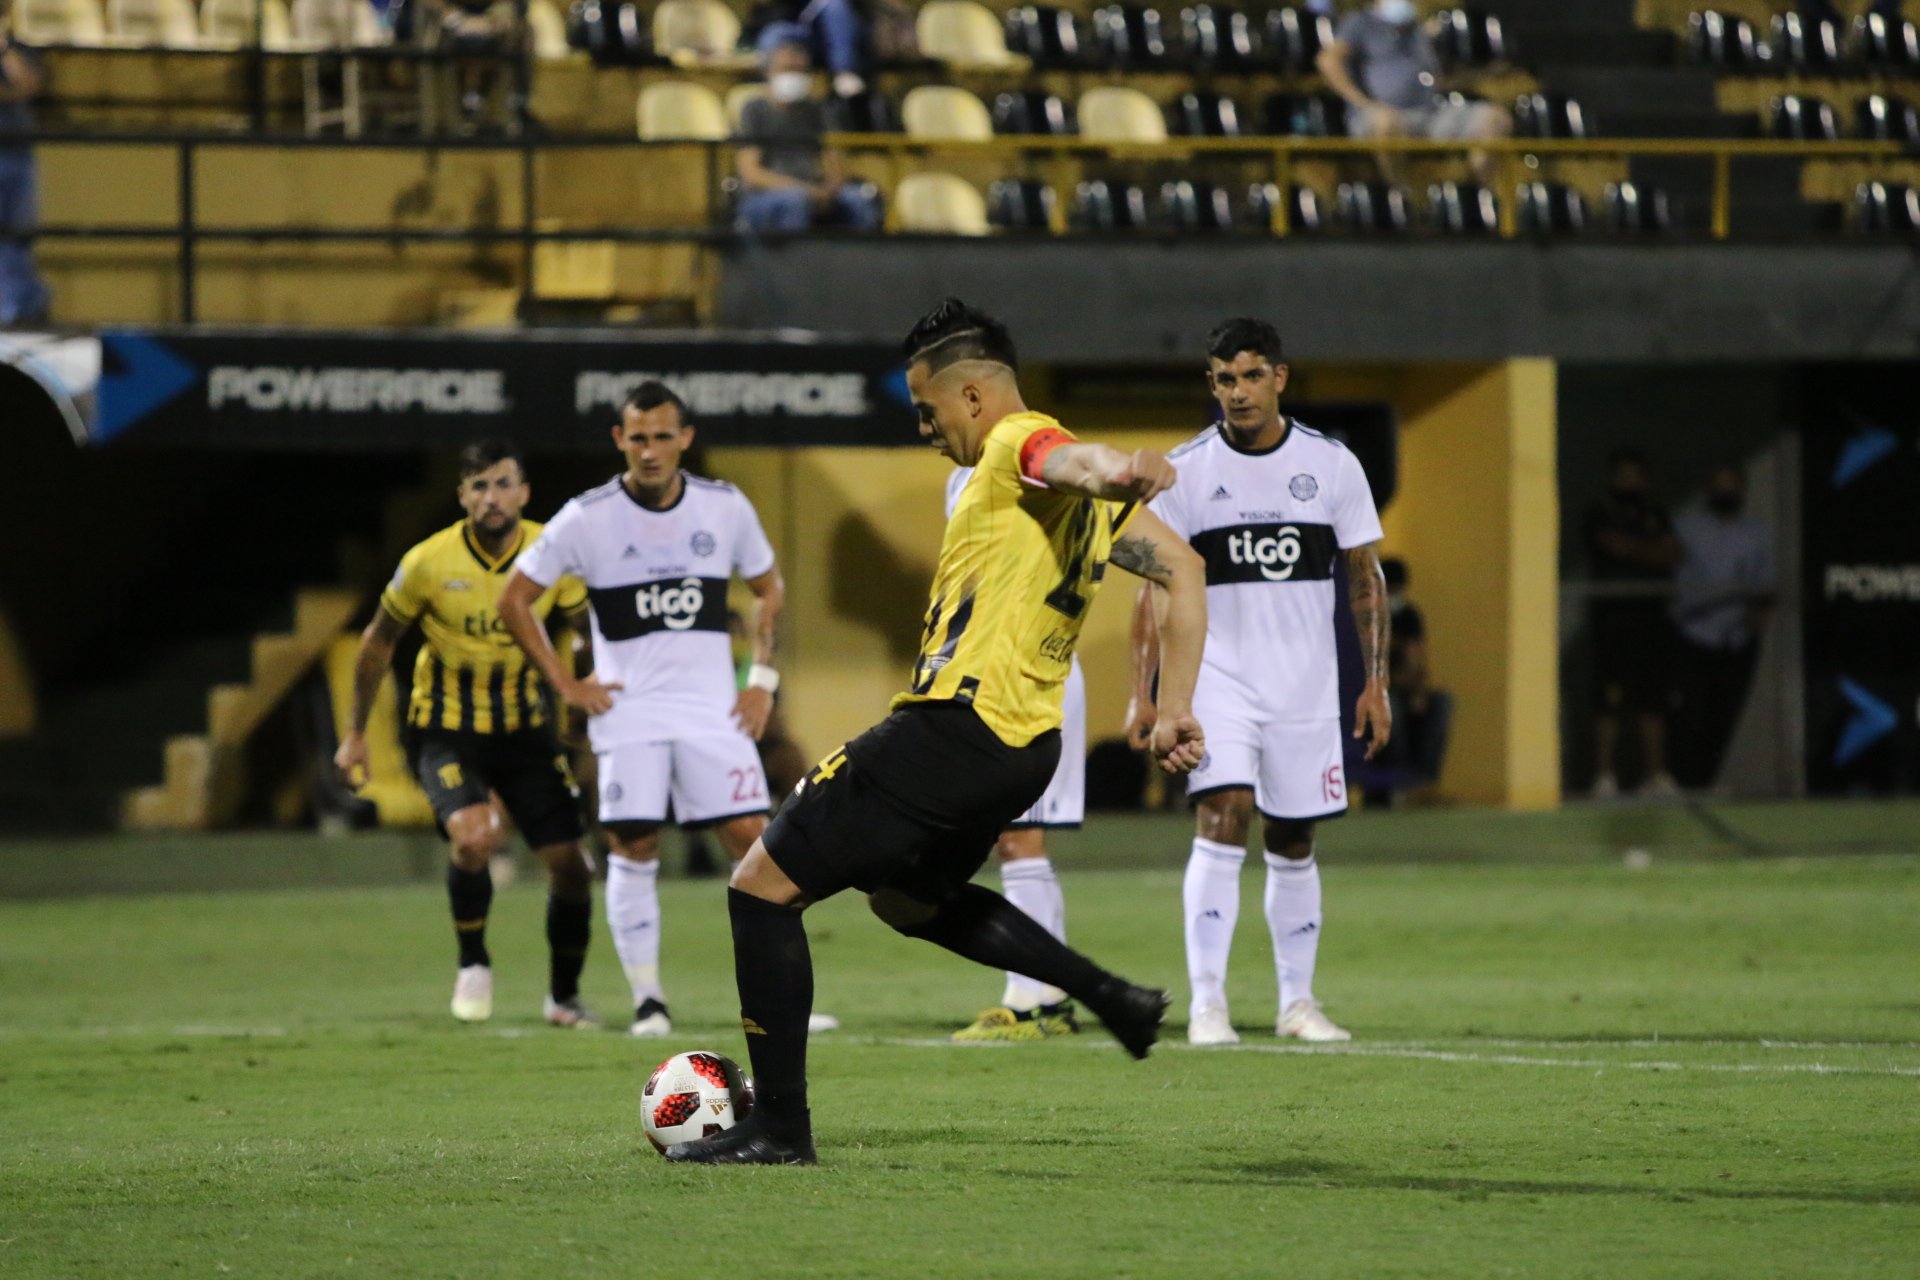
(1632, 552)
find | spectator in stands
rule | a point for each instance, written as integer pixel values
(1383, 63)
(1422, 714)
(1827, 11)
(1723, 595)
(1632, 553)
(792, 181)
(23, 295)
(836, 34)
(481, 35)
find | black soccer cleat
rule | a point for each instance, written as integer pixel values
(1133, 1014)
(752, 1141)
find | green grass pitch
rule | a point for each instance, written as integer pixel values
(1708, 1068)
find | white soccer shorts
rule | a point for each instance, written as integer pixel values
(1065, 801)
(1295, 767)
(707, 776)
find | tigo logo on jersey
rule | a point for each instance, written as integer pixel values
(676, 607)
(1275, 555)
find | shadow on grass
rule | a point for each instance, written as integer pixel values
(1304, 1172)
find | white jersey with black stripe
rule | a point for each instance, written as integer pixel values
(1269, 524)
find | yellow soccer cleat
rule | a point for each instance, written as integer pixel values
(1002, 1024)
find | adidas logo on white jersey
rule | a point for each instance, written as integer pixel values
(630, 553)
(1219, 494)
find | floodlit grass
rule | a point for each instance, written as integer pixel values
(1700, 1069)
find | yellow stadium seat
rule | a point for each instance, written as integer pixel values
(945, 114)
(549, 31)
(337, 24)
(962, 33)
(941, 204)
(1115, 114)
(698, 29)
(168, 24)
(680, 109)
(60, 21)
(230, 23)
(739, 96)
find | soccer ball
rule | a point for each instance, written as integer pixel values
(693, 1095)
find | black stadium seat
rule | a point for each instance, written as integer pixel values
(1469, 38)
(1206, 115)
(1103, 205)
(1374, 208)
(611, 32)
(1799, 117)
(1884, 119)
(1021, 204)
(1726, 42)
(1217, 37)
(1888, 208)
(1032, 111)
(1049, 36)
(1635, 207)
(1549, 115)
(1464, 208)
(1303, 213)
(1303, 115)
(1197, 206)
(1806, 44)
(1295, 39)
(1891, 44)
(1550, 208)
(1126, 35)
(867, 112)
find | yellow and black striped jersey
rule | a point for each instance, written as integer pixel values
(470, 675)
(1019, 566)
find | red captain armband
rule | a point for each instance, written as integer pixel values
(1033, 454)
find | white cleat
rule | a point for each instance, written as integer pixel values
(1210, 1026)
(473, 994)
(650, 1021)
(1304, 1021)
(818, 1022)
(571, 1014)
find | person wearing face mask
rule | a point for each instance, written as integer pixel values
(1723, 597)
(1631, 551)
(1385, 66)
(791, 182)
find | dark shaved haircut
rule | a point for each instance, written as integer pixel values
(1244, 334)
(953, 332)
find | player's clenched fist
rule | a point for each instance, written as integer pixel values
(1179, 744)
(1149, 474)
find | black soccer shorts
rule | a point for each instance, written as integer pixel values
(914, 804)
(526, 768)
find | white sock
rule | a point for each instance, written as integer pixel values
(1211, 897)
(1293, 917)
(1029, 884)
(633, 912)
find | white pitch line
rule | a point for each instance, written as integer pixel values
(1446, 1055)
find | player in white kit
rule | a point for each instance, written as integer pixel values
(657, 548)
(1269, 503)
(1031, 1010)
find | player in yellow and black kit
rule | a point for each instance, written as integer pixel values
(479, 724)
(908, 811)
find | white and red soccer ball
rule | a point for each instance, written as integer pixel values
(694, 1095)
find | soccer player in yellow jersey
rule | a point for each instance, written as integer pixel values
(908, 811)
(479, 725)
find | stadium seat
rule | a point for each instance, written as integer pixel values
(1217, 37)
(548, 27)
(1130, 36)
(230, 24)
(1031, 111)
(610, 31)
(1468, 38)
(1806, 45)
(1720, 40)
(694, 29)
(1196, 206)
(74, 22)
(167, 24)
(1047, 36)
(1302, 115)
(1112, 113)
(1021, 204)
(1885, 119)
(1888, 208)
(940, 204)
(680, 110)
(1887, 43)
(863, 113)
(1550, 208)
(1636, 208)
(942, 113)
(1799, 117)
(962, 33)
(1295, 38)
(1373, 208)
(1302, 218)
(1464, 208)
(1549, 115)
(1103, 205)
(1206, 115)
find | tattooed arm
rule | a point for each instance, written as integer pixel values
(1149, 549)
(1367, 590)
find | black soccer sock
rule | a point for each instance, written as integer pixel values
(984, 927)
(774, 971)
(471, 895)
(569, 926)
